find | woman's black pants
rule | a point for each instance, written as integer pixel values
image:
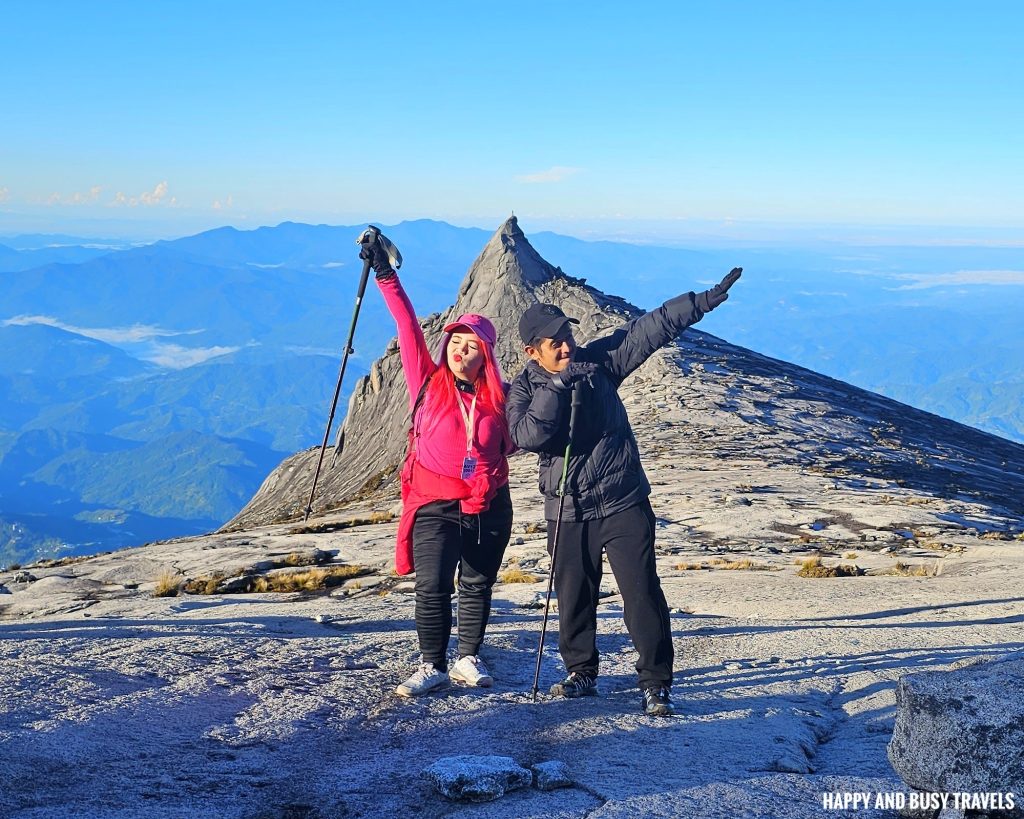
(444, 540)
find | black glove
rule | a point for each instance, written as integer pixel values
(380, 252)
(576, 371)
(379, 261)
(710, 299)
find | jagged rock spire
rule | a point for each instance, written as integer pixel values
(507, 277)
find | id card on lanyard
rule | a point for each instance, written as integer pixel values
(469, 462)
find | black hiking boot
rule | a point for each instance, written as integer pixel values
(575, 685)
(658, 701)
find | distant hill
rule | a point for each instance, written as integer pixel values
(230, 337)
(705, 394)
(27, 251)
(222, 349)
(924, 325)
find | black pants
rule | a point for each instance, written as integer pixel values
(628, 539)
(444, 539)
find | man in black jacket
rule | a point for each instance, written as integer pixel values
(607, 509)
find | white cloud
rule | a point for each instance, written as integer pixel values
(156, 196)
(558, 173)
(173, 356)
(76, 198)
(5, 194)
(920, 281)
(229, 200)
(137, 333)
(177, 357)
(311, 351)
(331, 265)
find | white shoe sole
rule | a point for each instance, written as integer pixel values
(403, 691)
(481, 682)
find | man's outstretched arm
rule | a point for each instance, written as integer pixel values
(630, 346)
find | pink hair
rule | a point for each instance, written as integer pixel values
(442, 394)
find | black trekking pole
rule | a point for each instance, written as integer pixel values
(374, 235)
(577, 400)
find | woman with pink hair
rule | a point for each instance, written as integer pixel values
(457, 512)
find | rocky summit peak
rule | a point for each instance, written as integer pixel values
(700, 393)
(507, 277)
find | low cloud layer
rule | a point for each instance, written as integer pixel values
(921, 281)
(176, 357)
(135, 334)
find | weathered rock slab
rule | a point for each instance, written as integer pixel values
(962, 730)
(551, 775)
(477, 778)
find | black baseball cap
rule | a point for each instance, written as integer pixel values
(542, 321)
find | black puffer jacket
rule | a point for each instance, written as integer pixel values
(605, 475)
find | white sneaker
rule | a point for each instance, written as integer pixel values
(425, 678)
(472, 671)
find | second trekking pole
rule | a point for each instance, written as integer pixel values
(577, 400)
(370, 237)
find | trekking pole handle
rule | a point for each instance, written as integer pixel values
(373, 232)
(577, 402)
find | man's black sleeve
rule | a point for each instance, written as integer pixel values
(630, 346)
(534, 414)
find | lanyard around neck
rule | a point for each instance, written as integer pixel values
(468, 418)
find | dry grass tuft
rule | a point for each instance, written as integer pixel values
(310, 580)
(813, 567)
(997, 536)
(203, 585)
(850, 556)
(535, 528)
(937, 546)
(514, 573)
(53, 562)
(327, 528)
(744, 564)
(168, 583)
(902, 569)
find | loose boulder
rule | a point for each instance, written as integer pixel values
(477, 778)
(962, 730)
(547, 776)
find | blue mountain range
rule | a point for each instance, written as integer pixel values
(149, 390)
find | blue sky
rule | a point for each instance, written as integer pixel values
(736, 119)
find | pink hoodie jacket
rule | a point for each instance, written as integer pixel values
(433, 467)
